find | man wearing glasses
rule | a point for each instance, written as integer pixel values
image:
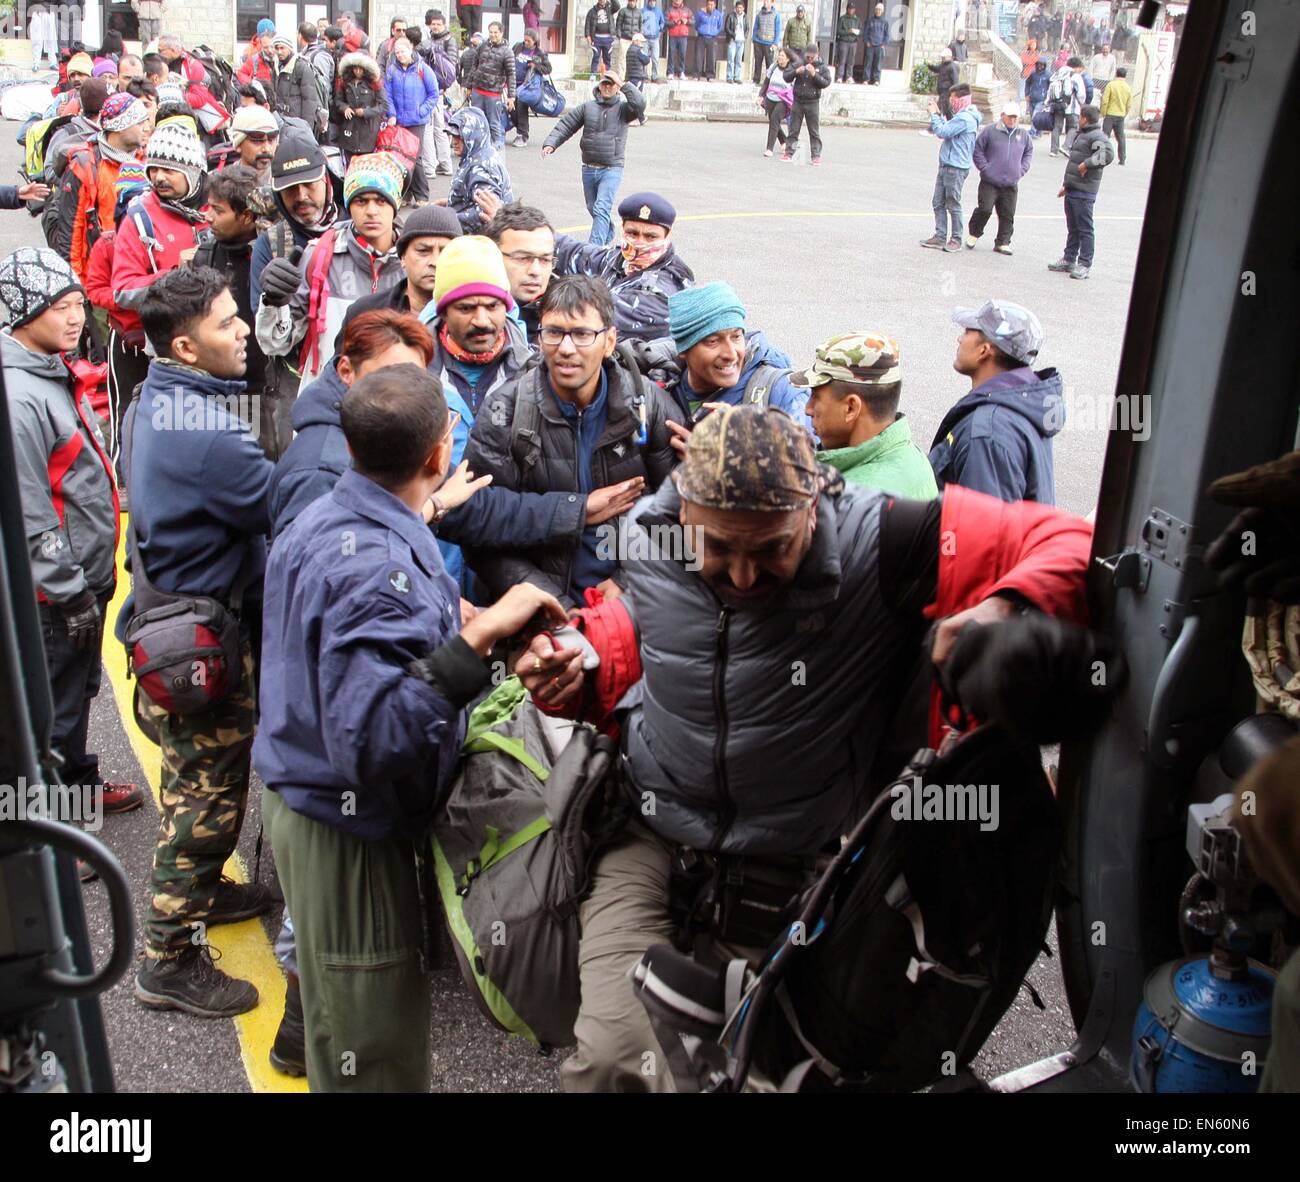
(527, 244)
(583, 420)
(255, 135)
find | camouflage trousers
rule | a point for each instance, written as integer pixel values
(204, 791)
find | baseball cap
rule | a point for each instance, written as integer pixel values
(867, 358)
(1012, 328)
(611, 76)
(298, 161)
(1011, 109)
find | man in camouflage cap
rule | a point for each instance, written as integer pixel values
(856, 385)
(755, 660)
(998, 438)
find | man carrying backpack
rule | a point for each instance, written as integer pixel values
(441, 53)
(303, 303)
(87, 196)
(1066, 95)
(69, 501)
(368, 673)
(158, 234)
(297, 95)
(789, 570)
(592, 420)
(717, 361)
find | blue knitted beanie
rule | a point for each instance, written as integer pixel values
(697, 312)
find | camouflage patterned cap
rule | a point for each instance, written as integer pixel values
(1013, 329)
(868, 358)
(749, 457)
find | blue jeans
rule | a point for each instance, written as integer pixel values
(676, 56)
(735, 53)
(947, 201)
(871, 66)
(1080, 239)
(599, 188)
(494, 111)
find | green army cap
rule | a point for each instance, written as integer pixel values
(867, 358)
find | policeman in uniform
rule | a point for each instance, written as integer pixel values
(367, 672)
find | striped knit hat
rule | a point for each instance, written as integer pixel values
(121, 111)
(174, 145)
(375, 173)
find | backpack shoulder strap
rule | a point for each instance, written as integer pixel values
(758, 390)
(525, 432)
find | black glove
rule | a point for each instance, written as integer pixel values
(81, 618)
(1261, 550)
(280, 279)
(1040, 677)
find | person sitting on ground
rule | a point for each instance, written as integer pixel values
(480, 169)
(595, 421)
(998, 438)
(856, 385)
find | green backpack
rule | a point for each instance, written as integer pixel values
(512, 848)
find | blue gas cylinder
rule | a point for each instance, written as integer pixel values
(1193, 1030)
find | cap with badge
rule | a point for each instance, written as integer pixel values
(1012, 328)
(865, 358)
(647, 207)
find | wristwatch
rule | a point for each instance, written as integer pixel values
(439, 509)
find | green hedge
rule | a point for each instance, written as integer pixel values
(924, 80)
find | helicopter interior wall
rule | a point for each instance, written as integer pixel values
(1220, 367)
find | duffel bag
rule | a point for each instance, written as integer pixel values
(512, 849)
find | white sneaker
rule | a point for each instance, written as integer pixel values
(768, 152)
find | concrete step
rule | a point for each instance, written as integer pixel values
(890, 104)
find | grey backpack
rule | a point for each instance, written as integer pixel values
(512, 848)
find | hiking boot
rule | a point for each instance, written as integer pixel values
(970, 242)
(934, 242)
(289, 1051)
(193, 983)
(120, 798)
(1002, 248)
(237, 901)
(1079, 272)
(1061, 265)
(953, 245)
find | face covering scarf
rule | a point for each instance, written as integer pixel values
(637, 256)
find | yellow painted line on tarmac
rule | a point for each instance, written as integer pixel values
(927, 215)
(245, 950)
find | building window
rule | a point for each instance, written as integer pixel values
(553, 20)
(247, 14)
(118, 15)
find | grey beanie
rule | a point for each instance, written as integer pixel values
(428, 221)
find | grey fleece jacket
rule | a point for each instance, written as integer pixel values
(64, 477)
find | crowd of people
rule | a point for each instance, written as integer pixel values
(378, 438)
